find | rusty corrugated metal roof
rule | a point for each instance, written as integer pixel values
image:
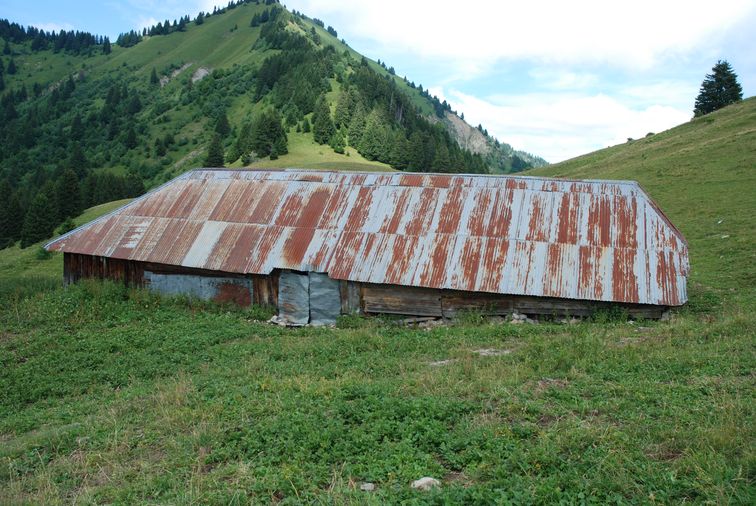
(593, 240)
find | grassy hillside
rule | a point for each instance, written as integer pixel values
(702, 175)
(112, 395)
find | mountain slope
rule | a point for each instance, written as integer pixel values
(83, 123)
(702, 175)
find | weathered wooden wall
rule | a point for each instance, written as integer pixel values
(77, 267)
(361, 297)
(448, 303)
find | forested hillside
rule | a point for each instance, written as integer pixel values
(84, 121)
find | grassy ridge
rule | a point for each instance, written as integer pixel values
(702, 175)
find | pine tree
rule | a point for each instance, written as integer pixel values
(374, 142)
(343, 112)
(322, 125)
(154, 77)
(6, 48)
(39, 222)
(77, 128)
(131, 138)
(77, 162)
(357, 125)
(214, 153)
(442, 162)
(337, 142)
(8, 228)
(11, 67)
(222, 127)
(306, 128)
(69, 194)
(106, 46)
(719, 89)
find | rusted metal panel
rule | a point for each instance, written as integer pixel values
(219, 289)
(590, 240)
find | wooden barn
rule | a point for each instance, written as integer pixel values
(317, 244)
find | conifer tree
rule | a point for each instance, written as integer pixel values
(337, 142)
(322, 125)
(719, 89)
(154, 77)
(131, 138)
(39, 222)
(11, 67)
(343, 112)
(6, 48)
(69, 194)
(106, 46)
(11, 215)
(357, 125)
(214, 153)
(222, 127)
(374, 142)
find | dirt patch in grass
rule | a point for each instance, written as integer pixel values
(664, 453)
(549, 383)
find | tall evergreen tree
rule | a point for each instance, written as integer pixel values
(375, 138)
(6, 48)
(40, 220)
(11, 67)
(131, 138)
(222, 127)
(69, 194)
(357, 125)
(154, 77)
(214, 156)
(11, 215)
(106, 46)
(337, 142)
(343, 113)
(322, 124)
(719, 89)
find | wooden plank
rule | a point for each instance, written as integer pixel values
(350, 297)
(393, 299)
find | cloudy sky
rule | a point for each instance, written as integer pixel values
(555, 78)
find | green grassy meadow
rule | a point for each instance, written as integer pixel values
(114, 395)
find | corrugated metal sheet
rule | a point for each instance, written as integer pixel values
(592, 240)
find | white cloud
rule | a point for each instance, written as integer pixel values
(474, 35)
(558, 126)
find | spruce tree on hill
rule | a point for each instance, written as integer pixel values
(106, 49)
(6, 48)
(11, 67)
(39, 222)
(375, 139)
(337, 142)
(222, 127)
(77, 162)
(68, 191)
(357, 125)
(322, 124)
(131, 138)
(214, 153)
(154, 77)
(719, 89)
(11, 215)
